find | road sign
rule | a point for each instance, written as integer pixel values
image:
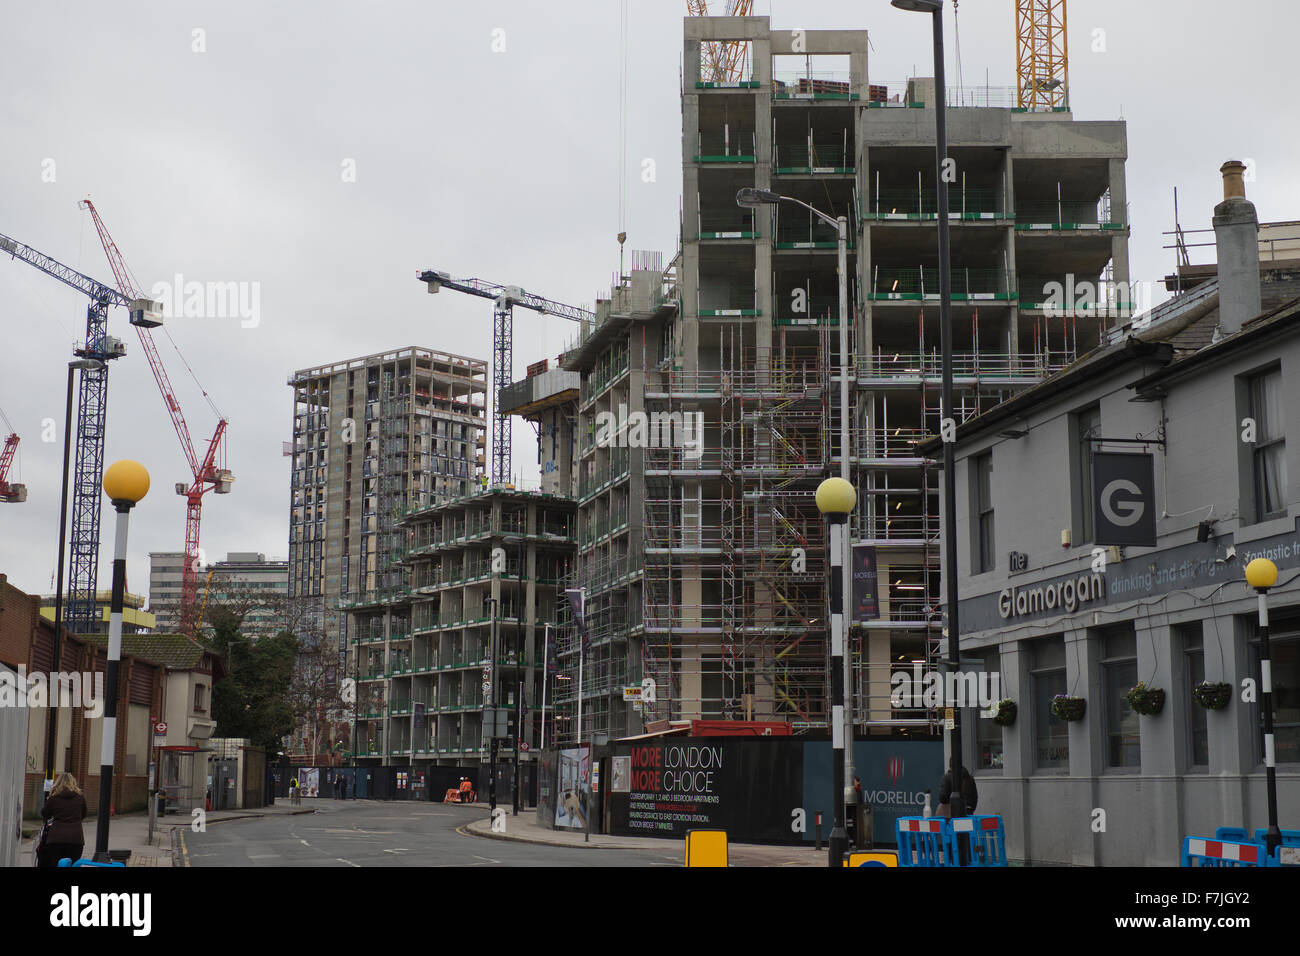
(632, 694)
(873, 858)
(523, 746)
(160, 728)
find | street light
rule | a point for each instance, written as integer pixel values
(125, 483)
(751, 198)
(835, 499)
(935, 9)
(52, 733)
(1261, 574)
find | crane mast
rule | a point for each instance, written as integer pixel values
(92, 409)
(504, 298)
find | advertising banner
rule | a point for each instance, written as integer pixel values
(745, 787)
(573, 794)
(866, 604)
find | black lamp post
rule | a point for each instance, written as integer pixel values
(125, 483)
(1261, 574)
(836, 499)
(935, 9)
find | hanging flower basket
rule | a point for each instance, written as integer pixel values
(1147, 701)
(1069, 708)
(1212, 695)
(1006, 715)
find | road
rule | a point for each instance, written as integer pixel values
(371, 833)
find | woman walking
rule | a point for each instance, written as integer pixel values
(64, 810)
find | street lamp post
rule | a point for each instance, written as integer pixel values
(491, 709)
(52, 733)
(1261, 574)
(125, 483)
(935, 9)
(750, 198)
(835, 499)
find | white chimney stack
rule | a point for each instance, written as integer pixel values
(1236, 233)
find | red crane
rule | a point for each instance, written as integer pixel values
(209, 473)
(11, 493)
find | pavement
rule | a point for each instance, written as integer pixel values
(524, 828)
(130, 832)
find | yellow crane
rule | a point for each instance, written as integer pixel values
(722, 61)
(1042, 60)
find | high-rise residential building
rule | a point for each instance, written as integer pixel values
(424, 667)
(166, 569)
(705, 559)
(374, 437)
(248, 581)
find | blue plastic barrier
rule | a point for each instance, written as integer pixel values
(68, 861)
(1232, 833)
(921, 841)
(1289, 837)
(935, 841)
(988, 841)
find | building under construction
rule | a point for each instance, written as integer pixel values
(375, 438)
(704, 561)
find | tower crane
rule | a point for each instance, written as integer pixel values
(208, 473)
(1042, 56)
(92, 409)
(504, 298)
(9, 492)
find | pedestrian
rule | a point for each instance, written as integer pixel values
(857, 788)
(63, 811)
(970, 797)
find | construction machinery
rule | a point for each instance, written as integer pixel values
(92, 409)
(12, 493)
(723, 61)
(504, 298)
(1042, 60)
(207, 473)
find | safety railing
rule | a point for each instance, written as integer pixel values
(801, 158)
(741, 224)
(923, 283)
(891, 442)
(884, 364)
(813, 85)
(1067, 214)
(923, 203)
(732, 146)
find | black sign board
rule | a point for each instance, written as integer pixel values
(1124, 499)
(866, 604)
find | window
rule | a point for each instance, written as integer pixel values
(1284, 662)
(200, 698)
(1118, 675)
(1198, 719)
(981, 494)
(1046, 680)
(1086, 425)
(988, 735)
(1269, 464)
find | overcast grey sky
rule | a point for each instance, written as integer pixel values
(229, 165)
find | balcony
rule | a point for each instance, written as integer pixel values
(726, 225)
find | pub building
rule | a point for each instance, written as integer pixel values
(1105, 519)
